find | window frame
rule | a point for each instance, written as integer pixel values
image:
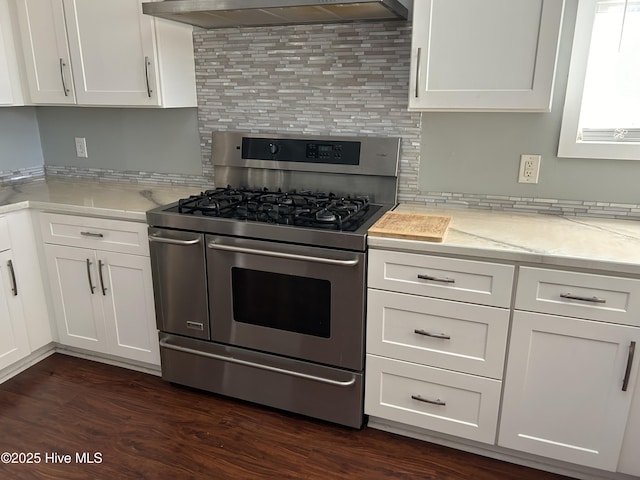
(569, 146)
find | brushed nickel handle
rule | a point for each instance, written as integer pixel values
(418, 72)
(147, 63)
(104, 290)
(594, 299)
(442, 336)
(289, 256)
(91, 234)
(338, 383)
(91, 287)
(426, 400)
(12, 278)
(173, 241)
(64, 84)
(436, 279)
(627, 372)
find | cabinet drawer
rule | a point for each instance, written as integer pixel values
(5, 242)
(96, 233)
(456, 336)
(464, 405)
(448, 278)
(581, 295)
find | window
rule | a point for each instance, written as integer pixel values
(602, 108)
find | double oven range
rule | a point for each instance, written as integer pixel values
(260, 286)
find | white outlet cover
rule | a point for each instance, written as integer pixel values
(529, 168)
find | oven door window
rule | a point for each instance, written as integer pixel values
(285, 302)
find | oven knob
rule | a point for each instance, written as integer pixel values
(273, 148)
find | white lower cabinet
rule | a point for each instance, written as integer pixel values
(433, 398)
(565, 395)
(436, 340)
(629, 459)
(14, 342)
(24, 317)
(103, 301)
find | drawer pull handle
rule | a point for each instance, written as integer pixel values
(65, 90)
(627, 372)
(442, 336)
(12, 277)
(104, 290)
(436, 279)
(418, 72)
(91, 234)
(426, 400)
(91, 287)
(570, 296)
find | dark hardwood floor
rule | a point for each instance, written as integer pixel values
(143, 427)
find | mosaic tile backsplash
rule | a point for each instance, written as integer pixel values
(340, 79)
(21, 175)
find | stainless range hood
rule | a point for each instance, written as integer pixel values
(245, 13)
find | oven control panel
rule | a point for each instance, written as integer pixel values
(293, 150)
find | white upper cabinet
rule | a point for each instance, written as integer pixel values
(105, 53)
(12, 86)
(494, 55)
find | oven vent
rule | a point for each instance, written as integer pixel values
(211, 14)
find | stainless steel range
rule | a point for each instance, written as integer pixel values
(260, 285)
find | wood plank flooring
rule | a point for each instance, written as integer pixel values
(145, 428)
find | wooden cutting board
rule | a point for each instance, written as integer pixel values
(411, 226)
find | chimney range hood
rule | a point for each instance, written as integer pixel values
(245, 13)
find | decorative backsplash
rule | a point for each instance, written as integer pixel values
(548, 206)
(21, 175)
(103, 174)
(338, 79)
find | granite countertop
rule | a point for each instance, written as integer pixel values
(126, 201)
(581, 242)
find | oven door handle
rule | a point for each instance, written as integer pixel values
(289, 256)
(338, 383)
(156, 238)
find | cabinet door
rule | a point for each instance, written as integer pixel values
(127, 294)
(10, 82)
(629, 458)
(6, 90)
(28, 272)
(77, 302)
(112, 52)
(563, 395)
(495, 55)
(46, 51)
(14, 342)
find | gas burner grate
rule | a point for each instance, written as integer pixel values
(298, 208)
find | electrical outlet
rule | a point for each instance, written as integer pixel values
(81, 147)
(529, 168)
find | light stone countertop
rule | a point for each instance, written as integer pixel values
(579, 242)
(119, 200)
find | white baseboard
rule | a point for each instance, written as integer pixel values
(109, 360)
(51, 348)
(21, 365)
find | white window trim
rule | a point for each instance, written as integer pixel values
(569, 146)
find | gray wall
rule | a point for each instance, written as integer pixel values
(129, 140)
(480, 152)
(19, 140)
